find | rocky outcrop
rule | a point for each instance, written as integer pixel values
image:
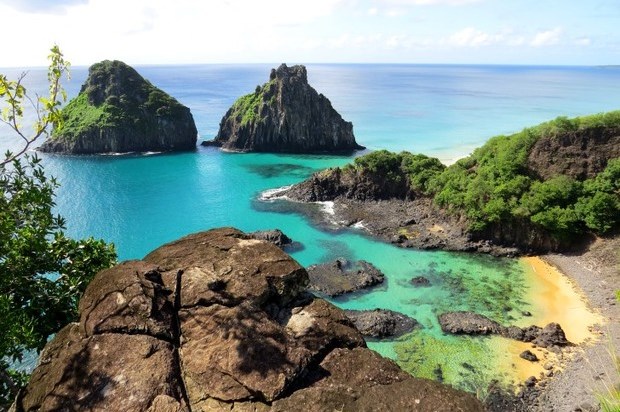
(342, 276)
(117, 110)
(285, 115)
(275, 236)
(580, 154)
(219, 321)
(381, 323)
(469, 323)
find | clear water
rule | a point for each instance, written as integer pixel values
(142, 201)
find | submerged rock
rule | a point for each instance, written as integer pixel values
(219, 321)
(341, 276)
(117, 110)
(285, 115)
(381, 323)
(469, 323)
(420, 281)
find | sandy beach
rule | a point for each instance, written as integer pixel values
(588, 369)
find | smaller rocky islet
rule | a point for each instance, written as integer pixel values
(285, 115)
(118, 111)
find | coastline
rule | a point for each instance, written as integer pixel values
(594, 274)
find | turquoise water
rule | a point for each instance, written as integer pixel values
(142, 201)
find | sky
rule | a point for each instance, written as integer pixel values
(545, 32)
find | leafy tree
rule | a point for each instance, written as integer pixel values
(47, 109)
(43, 273)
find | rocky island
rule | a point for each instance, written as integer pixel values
(219, 321)
(547, 188)
(285, 115)
(118, 111)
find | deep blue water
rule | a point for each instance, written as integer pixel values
(140, 202)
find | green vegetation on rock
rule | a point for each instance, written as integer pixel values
(247, 107)
(495, 186)
(418, 168)
(115, 95)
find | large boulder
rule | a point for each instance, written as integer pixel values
(117, 110)
(219, 321)
(285, 115)
(381, 323)
(342, 276)
(470, 323)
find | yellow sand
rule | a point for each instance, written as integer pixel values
(554, 299)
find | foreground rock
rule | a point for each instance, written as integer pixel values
(219, 321)
(341, 276)
(117, 110)
(470, 323)
(285, 115)
(381, 323)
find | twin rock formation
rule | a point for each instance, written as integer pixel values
(117, 110)
(219, 321)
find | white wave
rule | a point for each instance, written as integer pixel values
(273, 194)
(327, 207)
(360, 225)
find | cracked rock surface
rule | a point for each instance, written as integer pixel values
(219, 321)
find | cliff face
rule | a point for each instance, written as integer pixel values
(117, 110)
(219, 321)
(580, 154)
(285, 115)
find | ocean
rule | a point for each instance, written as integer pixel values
(140, 201)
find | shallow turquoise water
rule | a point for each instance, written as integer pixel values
(140, 202)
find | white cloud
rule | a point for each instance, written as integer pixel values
(583, 41)
(42, 6)
(431, 2)
(547, 38)
(472, 37)
(373, 11)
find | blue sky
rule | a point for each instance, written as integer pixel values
(573, 32)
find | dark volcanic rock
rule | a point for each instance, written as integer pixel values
(219, 321)
(529, 355)
(117, 110)
(341, 276)
(551, 335)
(381, 323)
(470, 323)
(285, 115)
(275, 236)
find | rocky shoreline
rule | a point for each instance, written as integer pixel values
(415, 223)
(594, 271)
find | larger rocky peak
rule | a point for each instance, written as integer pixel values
(285, 115)
(117, 110)
(219, 321)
